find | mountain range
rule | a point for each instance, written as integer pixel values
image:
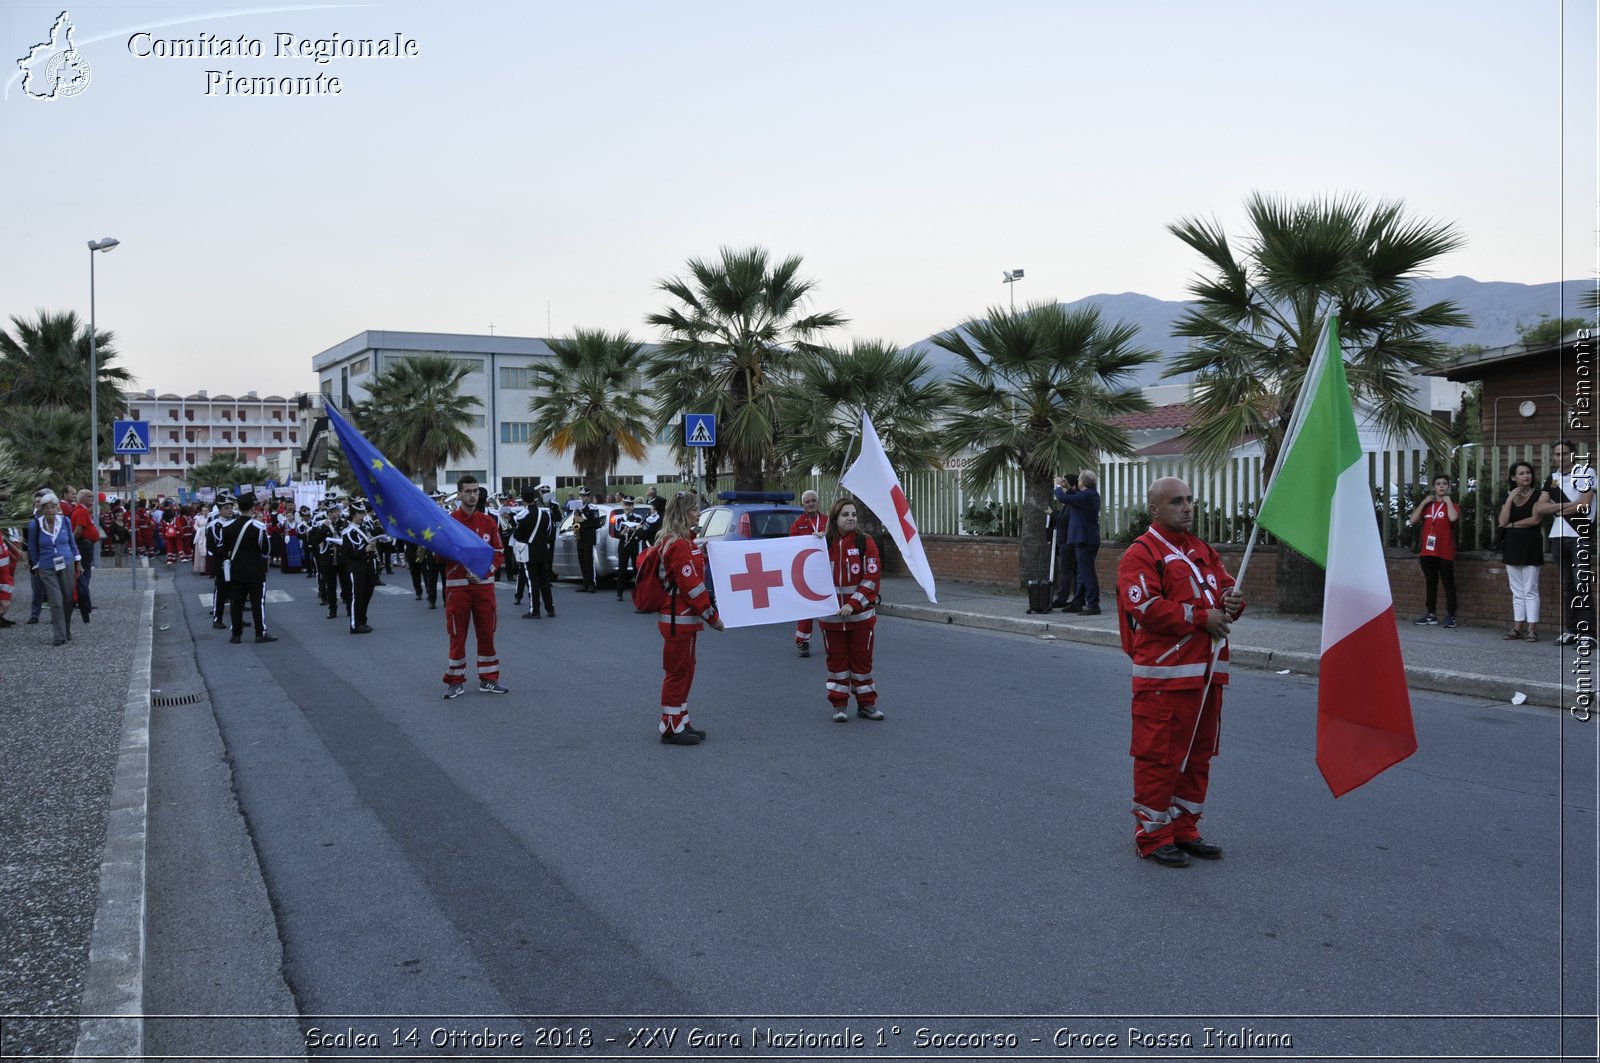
(1495, 308)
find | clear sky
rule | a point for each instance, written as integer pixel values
(541, 165)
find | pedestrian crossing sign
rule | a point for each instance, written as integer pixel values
(700, 430)
(132, 437)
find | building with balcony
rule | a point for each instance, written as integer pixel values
(188, 430)
(501, 376)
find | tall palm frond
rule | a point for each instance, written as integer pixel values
(589, 402)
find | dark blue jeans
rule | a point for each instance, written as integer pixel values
(1088, 582)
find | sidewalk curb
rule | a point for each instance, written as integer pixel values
(1488, 687)
(112, 1007)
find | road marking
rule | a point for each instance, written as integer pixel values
(275, 597)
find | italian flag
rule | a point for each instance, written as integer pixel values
(1319, 503)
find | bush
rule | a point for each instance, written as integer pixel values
(993, 518)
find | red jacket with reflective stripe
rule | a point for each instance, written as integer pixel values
(484, 527)
(685, 562)
(857, 578)
(1162, 607)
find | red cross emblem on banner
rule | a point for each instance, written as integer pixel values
(757, 580)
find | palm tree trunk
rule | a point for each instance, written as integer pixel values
(1300, 582)
(1032, 556)
(747, 475)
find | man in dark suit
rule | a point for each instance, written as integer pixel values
(246, 547)
(1084, 535)
(586, 523)
(1066, 592)
(539, 525)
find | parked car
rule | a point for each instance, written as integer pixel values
(748, 515)
(605, 545)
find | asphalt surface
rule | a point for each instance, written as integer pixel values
(345, 856)
(541, 854)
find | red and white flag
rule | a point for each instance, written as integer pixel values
(771, 581)
(872, 480)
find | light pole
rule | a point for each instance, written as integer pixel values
(104, 244)
(1012, 277)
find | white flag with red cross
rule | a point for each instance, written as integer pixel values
(771, 581)
(872, 480)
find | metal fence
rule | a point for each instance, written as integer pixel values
(1226, 496)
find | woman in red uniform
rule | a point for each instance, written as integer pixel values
(688, 609)
(848, 640)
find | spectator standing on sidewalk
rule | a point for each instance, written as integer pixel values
(1438, 515)
(10, 563)
(1569, 497)
(54, 555)
(1066, 589)
(1083, 533)
(1522, 549)
(86, 533)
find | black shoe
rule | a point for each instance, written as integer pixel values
(7, 623)
(266, 638)
(419, 597)
(35, 620)
(515, 601)
(1202, 849)
(1093, 611)
(530, 616)
(361, 629)
(805, 649)
(1067, 607)
(63, 642)
(694, 731)
(236, 639)
(379, 583)
(332, 615)
(219, 625)
(1170, 856)
(85, 618)
(679, 738)
(432, 606)
(551, 613)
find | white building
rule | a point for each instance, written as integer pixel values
(501, 378)
(186, 431)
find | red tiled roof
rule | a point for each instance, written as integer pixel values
(1177, 415)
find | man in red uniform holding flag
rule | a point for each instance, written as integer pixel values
(1173, 599)
(811, 522)
(468, 598)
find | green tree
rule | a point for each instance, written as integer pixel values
(222, 471)
(45, 363)
(1548, 330)
(1037, 389)
(589, 402)
(337, 472)
(18, 480)
(1259, 312)
(819, 407)
(415, 415)
(52, 440)
(727, 342)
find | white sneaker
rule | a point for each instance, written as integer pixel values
(840, 716)
(489, 686)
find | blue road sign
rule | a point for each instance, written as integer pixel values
(132, 437)
(272, 485)
(700, 429)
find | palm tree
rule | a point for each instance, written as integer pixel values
(414, 414)
(18, 480)
(223, 470)
(1258, 315)
(819, 407)
(1037, 389)
(52, 440)
(46, 364)
(338, 473)
(726, 344)
(589, 401)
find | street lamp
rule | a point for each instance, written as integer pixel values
(104, 244)
(1012, 277)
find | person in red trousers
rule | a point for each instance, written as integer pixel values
(810, 522)
(468, 598)
(848, 640)
(688, 610)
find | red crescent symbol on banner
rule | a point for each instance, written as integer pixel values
(797, 572)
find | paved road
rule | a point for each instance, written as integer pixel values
(542, 854)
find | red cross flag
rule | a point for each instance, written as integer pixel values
(771, 581)
(872, 480)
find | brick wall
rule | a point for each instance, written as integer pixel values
(1483, 596)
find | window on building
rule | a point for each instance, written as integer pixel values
(135, 414)
(188, 437)
(243, 416)
(293, 417)
(518, 377)
(188, 414)
(327, 387)
(452, 475)
(172, 415)
(189, 457)
(359, 366)
(474, 365)
(172, 436)
(243, 436)
(515, 484)
(620, 480)
(294, 437)
(277, 437)
(516, 431)
(474, 420)
(569, 481)
(277, 415)
(172, 456)
(227, 415)
(227, 437)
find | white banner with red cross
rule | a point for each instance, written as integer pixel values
(872, 480)
(771, 581)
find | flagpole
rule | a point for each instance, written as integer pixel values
(849, 447)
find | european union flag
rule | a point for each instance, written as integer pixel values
(401, 507)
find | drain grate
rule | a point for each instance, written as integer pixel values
(181, 699)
